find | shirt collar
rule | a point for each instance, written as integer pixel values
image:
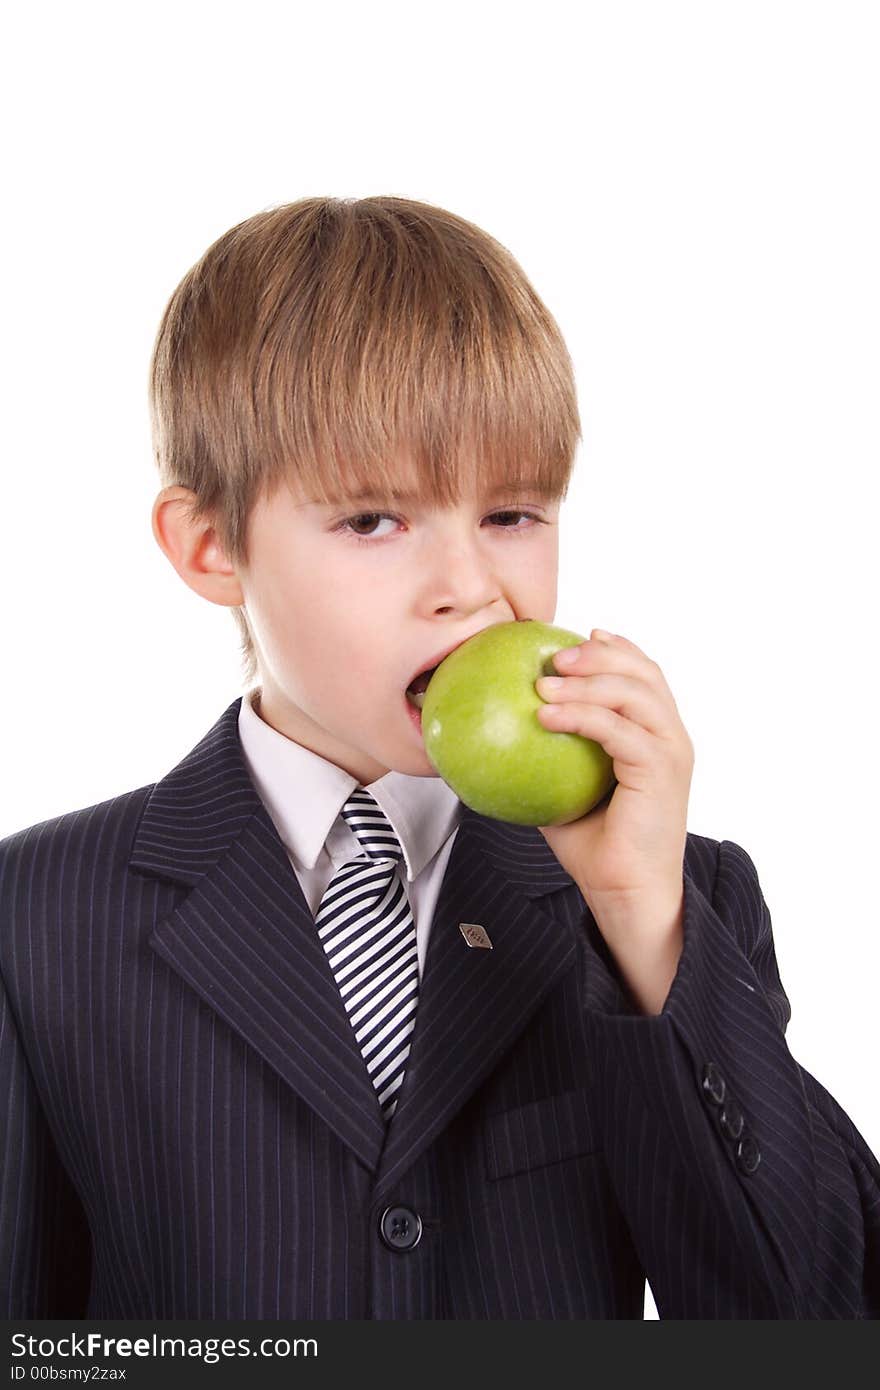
(304, 794)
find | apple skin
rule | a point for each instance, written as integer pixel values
(482, 734)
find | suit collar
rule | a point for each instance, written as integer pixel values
(244, 940)
(198, 810)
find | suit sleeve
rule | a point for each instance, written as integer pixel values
(748, 1191)
(45, 1249)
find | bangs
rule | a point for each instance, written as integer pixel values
(452, 403)
(409, 340)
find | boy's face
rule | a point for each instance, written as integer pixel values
(343, 624)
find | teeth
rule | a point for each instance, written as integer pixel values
(417, 700)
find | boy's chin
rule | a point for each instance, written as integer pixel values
(416, 763)
(415, 767)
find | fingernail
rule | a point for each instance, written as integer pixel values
(602, 635)
(550, 682)
(568, 656)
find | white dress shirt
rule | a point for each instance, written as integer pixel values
(304, 795)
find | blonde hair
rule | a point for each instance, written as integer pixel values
(314, 342)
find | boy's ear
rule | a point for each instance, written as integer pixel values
(193, 548)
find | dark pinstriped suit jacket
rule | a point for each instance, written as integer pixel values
(190, 1131)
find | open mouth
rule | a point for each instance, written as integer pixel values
(415, 691)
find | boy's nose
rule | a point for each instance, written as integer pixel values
(463, 579)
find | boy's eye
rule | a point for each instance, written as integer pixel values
(507, 520)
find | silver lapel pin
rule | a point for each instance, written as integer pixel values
(475, 935)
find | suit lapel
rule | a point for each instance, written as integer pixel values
(473, 1002)
(244, 939)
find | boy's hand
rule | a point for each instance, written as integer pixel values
(627, 855)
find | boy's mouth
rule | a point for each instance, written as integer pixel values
(415, 691)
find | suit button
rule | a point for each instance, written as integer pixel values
(400, 1228)
(713, 1084)
(748, 1155)
(730, 1121)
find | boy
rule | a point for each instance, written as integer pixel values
(292, 1033)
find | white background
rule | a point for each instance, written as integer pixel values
(692, 189)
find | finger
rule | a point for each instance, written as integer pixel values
(615, 639)
(618, 655)
(627, 743)
(626, 695)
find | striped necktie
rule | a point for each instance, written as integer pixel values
(367, 930)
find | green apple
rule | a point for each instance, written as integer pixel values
(482, 733)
